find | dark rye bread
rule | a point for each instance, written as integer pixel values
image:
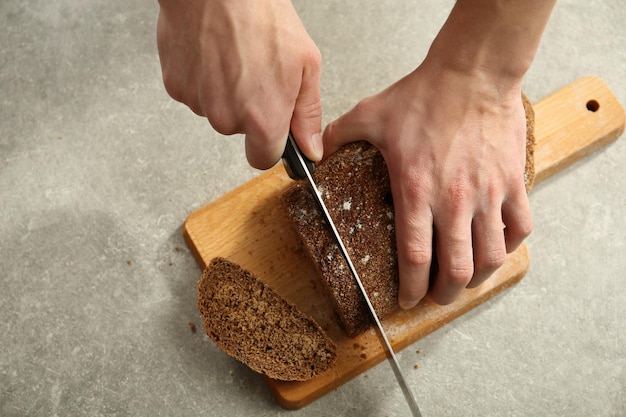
(354, 183)
(253, 324)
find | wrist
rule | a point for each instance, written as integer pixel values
(496, 41)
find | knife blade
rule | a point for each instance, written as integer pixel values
(299, 167)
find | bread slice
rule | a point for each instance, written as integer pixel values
(354, 183)
(253, 324)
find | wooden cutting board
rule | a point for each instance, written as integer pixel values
(249, 226)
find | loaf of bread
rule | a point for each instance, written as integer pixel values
(354, 183)
(252, 323)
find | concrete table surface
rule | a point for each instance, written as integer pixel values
(99, 168)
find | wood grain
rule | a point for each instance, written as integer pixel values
(249, 226)
(573, 122)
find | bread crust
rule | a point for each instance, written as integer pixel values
(529, 171)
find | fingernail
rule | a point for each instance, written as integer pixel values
(317, 147)
(407, 305)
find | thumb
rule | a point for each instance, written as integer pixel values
(354, 126)
(306, 122)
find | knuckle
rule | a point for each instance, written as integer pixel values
(254, 119)
(522, 228)
(417, 253)
(222, 122)
(526, 226)
(492, 260)
(172, 86)
(460, 273)
(314, 57)
(493, 192)
(418, 257)
(456, 195)
(311, 109)
(415, 186)
(517, 178)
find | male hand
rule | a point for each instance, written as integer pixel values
(249, 67)
(454, 145)
(453, 136)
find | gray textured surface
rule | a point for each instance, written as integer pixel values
(99, 168)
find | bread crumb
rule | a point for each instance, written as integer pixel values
(192, 326)
(129, 262)
(416, 366)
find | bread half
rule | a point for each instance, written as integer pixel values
(253, 324)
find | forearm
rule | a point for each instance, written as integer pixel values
(498, 38)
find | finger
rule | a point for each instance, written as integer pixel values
(414, 235)
(454, 255)
(265, 147)
(488, 245)
(356, 125)
(517, 218)
(306, 122)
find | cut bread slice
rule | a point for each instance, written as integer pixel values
(252, 323)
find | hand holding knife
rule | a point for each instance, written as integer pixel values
(300, 167)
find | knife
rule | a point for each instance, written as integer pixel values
(299, 166)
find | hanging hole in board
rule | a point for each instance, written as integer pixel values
(593, 106)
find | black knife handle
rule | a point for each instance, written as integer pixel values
(292, 163)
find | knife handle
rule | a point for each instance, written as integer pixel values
(293, 160)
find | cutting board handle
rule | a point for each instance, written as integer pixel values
(573, 122)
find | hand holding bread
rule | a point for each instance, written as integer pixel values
(453, 135)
